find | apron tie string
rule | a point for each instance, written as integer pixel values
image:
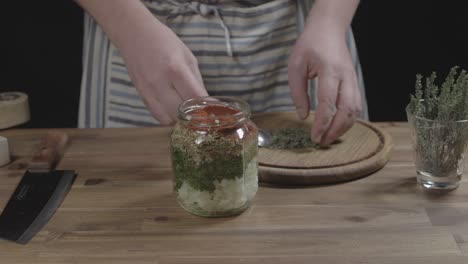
(204, 10)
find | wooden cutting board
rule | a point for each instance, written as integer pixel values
(363, 150)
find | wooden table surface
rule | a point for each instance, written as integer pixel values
(121, 210)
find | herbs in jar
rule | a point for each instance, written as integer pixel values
(214, 149)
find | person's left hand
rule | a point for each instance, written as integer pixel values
(321, 52)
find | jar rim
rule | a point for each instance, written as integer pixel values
(189, 105)
(410, 114)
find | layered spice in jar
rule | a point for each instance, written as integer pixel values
(214, 150)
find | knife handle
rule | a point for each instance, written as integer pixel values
(49, 152)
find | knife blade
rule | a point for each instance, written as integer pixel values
(39, 193)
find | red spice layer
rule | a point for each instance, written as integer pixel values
(213, 115)
(219, 119)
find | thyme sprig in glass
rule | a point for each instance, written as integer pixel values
(446, 103)
(438, 117)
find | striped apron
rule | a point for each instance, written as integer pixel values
(242, 48)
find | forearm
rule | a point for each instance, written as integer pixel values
(336, 13)
(124, 21)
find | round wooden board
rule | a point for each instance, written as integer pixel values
(363, 150)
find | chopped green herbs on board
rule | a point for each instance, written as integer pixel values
(289, 138)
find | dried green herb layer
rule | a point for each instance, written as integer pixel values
(213, 158)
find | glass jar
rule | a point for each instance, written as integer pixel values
(439, 150)
(214, 150)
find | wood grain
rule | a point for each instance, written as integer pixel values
(361, 151)
(121, 210)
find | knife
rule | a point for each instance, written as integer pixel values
(39, 193)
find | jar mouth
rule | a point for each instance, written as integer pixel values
(409, 112)
(189, 106)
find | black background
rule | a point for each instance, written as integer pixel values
(396, 40)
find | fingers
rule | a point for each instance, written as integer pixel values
(298, 78)
(157, 110)
(189, 83)
(327, 93)
(188, 86)
(348, 106)
(164, 99)
(196, 71)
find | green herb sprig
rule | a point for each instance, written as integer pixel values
(434, 112)
(449, 102)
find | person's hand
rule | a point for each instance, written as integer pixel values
(164, 71)
(321, 52)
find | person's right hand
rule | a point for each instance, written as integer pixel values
(164, 71)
